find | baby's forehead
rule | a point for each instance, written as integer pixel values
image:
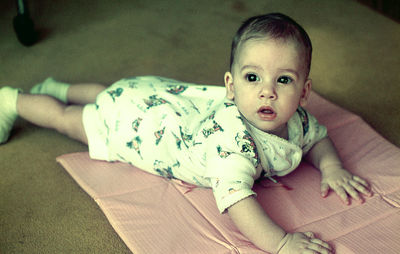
(250, 47)
(251, 42)
(253, 45)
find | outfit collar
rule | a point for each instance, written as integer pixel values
(278, 156)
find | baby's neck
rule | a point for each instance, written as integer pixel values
(282, 132)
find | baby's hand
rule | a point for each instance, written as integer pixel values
(344, 184)
(303, 243)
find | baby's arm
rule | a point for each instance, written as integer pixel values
(254, 223)
(323, 156)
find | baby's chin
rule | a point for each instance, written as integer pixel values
(278, 131)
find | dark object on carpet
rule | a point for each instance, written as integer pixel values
(24, 26)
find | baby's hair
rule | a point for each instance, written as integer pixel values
(275, 26)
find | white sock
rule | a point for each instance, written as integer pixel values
(53, 88)
(8, 111)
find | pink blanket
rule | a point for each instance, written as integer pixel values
(155, 215)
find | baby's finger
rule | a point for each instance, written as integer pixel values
(309, 234)
(318, 248)
(352, 192)
(342, 195)
(360, 180)
(360, 188)
(324, 189)
(320, 242)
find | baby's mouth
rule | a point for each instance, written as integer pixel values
(266, 113)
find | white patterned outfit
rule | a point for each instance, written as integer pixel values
(192, 133)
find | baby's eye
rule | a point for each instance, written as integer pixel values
(285, 80)
(251, 77)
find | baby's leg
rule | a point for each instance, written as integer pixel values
(84, 93)
(74, 94)
(48, 112)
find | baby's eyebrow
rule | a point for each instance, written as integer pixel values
(292, 71)
(251, 67)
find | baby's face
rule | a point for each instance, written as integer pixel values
(268, 83)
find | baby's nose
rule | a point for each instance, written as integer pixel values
(268, 92)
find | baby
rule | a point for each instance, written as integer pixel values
(209, 136)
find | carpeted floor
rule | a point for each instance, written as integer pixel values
(42, 210)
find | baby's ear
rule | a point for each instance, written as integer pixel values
(305, 93)
(228, 79)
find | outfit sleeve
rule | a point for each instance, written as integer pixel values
(231, 166)
(231, 156)
(231, 179)
(312, 130)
